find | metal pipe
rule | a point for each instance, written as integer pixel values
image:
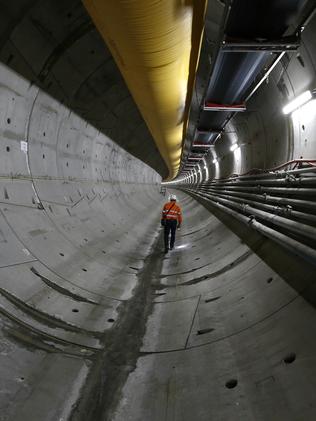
(296, 247)
(270, 173)
(290, 180)
(275, 190)
(285, 211)
(258, 177)
(293, 226)
(273, 199)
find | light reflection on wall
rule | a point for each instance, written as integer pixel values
(217, 172)
(305, 113)
(304, 128)
(206, 170)
(237, 160)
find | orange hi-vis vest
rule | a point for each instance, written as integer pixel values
(172, 211)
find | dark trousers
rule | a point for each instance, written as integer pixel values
(170, 226)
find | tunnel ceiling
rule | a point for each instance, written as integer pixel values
(55, 45)
(243, 42)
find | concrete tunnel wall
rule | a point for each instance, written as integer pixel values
(97, 324)
(74, 231)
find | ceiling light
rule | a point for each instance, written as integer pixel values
(234, 147)
(297, 102)
(215, 161)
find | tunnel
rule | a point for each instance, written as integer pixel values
(97, 322)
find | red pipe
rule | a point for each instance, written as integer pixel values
(311, 162)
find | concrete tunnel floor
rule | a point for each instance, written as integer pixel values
(219, 334)
(208, 331)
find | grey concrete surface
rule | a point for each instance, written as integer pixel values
(96, 323)
(222, 319)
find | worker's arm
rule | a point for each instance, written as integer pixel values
(179, 217)
(163, 213)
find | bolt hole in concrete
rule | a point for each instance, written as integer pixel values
(110, 320)
(85, 270)
(203, 331)
(231, 384)
(8, 148)
(209, 300)
(104, 252)
(61, 254)
(8, 120)
(197, 258)
(75, 310)
(290, 358)
(269, 280)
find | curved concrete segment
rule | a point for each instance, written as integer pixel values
(77, 219)
(96, 322)
(224, 339)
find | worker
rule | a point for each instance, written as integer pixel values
(171, 219)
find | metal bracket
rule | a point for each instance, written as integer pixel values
(252, 219)
(232, 45)
(211, 106)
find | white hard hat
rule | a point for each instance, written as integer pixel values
(173, 197)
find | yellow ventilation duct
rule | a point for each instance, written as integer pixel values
(156, 45)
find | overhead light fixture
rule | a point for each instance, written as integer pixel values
(234, 147)
(201, 145)
(297, 102)
(215, 161)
